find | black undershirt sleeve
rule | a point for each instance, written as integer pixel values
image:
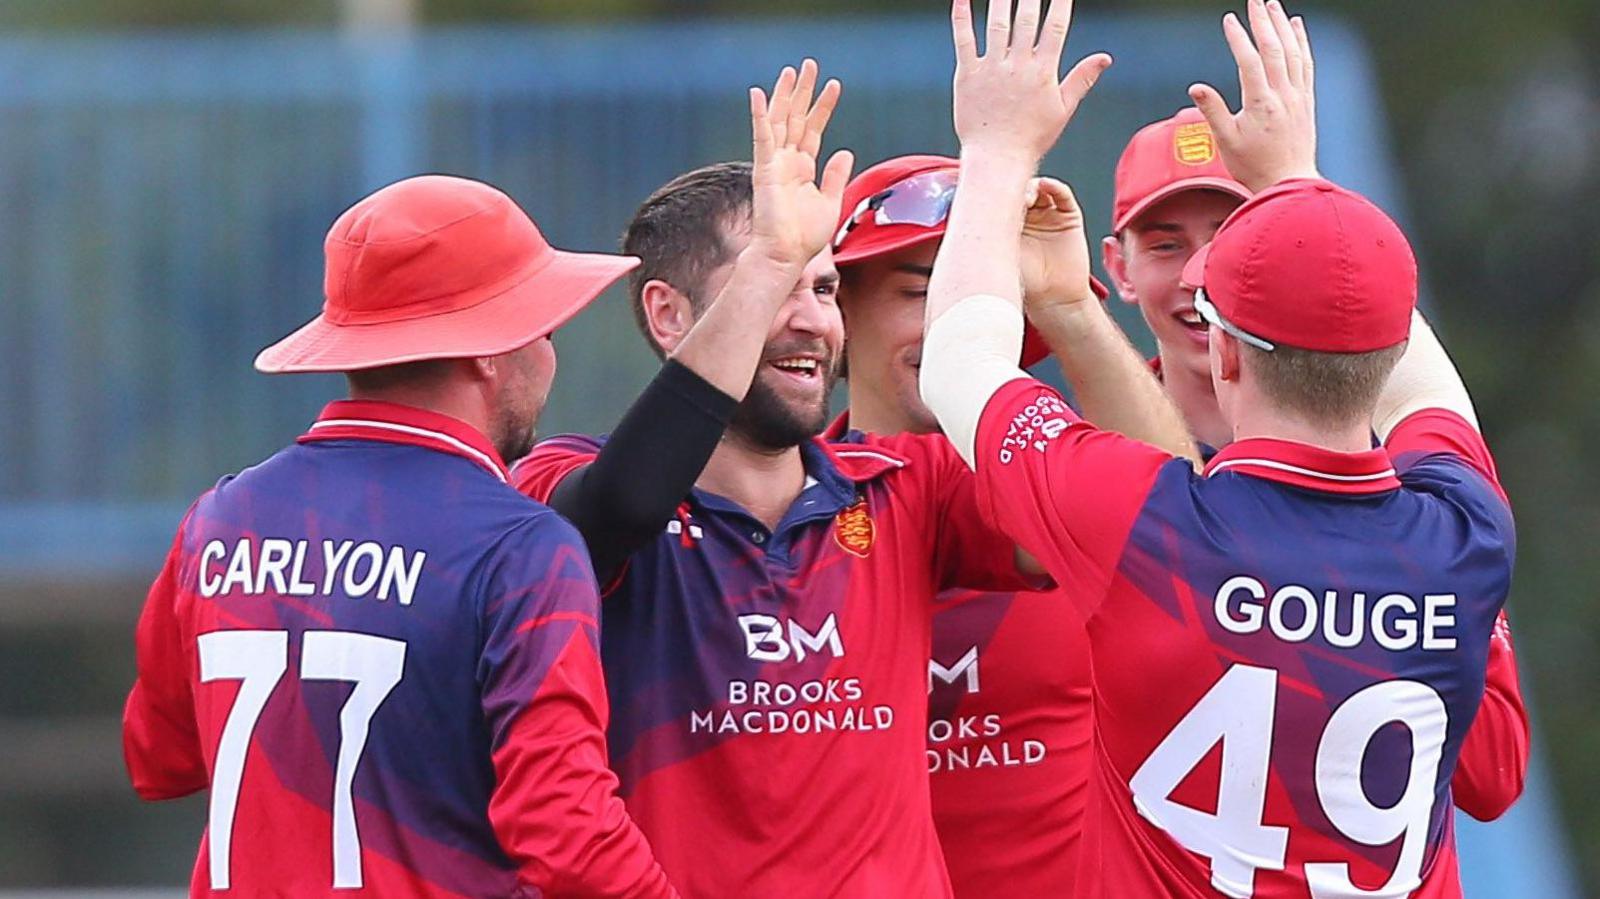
(622, 499)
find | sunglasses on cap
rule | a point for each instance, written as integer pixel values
(1208, 311)
(923, 199)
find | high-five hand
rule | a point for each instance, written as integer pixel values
(1273, 136)
(1009, 99)
(793, 216)
(1055, 248)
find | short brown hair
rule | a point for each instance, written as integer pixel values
(1332, 387)
(678, 232)
(369, 381)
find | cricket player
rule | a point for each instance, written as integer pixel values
(1289, 648)
(1008, 680)
(1171, 193)
(769, 601)
(380, 659)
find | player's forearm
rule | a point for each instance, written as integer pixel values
(620, 501)
(724, 346)
(1424, 378)
(981, 249)
(973, 325)
(1113, 385)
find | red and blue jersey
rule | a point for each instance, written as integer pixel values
(770, 687)
(382, 662)
(1493, 765)
(1287, 651)
(1008, 736)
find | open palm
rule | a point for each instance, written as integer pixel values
(793, 216)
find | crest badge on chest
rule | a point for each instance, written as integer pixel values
(853, 529)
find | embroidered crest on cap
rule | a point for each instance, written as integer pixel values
(853, 530)
(1193, 144)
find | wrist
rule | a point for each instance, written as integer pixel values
(998, 159)
(766, 262)
(1292, 173)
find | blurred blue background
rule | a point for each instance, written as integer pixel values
(163, 197)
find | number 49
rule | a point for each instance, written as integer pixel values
(258, 659)
(1239, 710)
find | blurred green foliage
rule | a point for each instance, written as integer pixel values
(1495, 114)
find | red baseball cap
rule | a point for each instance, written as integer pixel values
(1165, 158)
(1311, 265)
(866, 238)
(860, 237)
(438, 267)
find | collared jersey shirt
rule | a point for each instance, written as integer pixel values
(770, 686)
(1008, 736)
(1287, 650)
(382, 661)
(1493, 765)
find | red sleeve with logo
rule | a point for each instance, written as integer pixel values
(1494, 759)
(160, 741)
(548, 730)
(1066, 491)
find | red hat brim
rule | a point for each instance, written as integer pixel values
(1224, 185)
(530, 308)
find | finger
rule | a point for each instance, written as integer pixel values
(1053, 37)
(1252, 76)
(836, 175)
(1081, 80)
(760, 127)
(1308, 68)
(778, 109)
(1025, 30)
(800, 105)
(1287, 40)
(999, 36)
(1214, 108)
(961, 30)
(817, 121)
(1271, 49)
(1030, 199)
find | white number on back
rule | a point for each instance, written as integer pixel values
(1238, 711)
(258, 660)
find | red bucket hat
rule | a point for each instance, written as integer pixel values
(438, 267)
(1165, 158)
(860, 237)
(1311, 265)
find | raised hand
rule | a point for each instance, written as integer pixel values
(1273, 136)
(1055, 248)
(793, 217)
(1010, 99)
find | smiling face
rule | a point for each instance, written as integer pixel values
(883, 300)
(1148, 259)
(788, 401)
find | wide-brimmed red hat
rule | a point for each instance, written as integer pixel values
(438, 267)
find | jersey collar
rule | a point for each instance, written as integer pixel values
(853, 455)
(1304, 465)
(408, 425)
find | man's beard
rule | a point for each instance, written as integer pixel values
(767, 421)
(513, 445)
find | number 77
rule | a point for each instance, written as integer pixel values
(258, 659)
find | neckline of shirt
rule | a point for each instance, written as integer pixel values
(1304, 465)
(386, 422)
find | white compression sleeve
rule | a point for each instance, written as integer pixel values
(968, 354)
(1424, 378)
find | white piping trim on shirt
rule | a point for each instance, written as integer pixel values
(467, 448)
(1295, 469)
(851, 454)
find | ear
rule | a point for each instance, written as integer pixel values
(668, 314)
(1117, 267)
(484, 368)
(1227, 354)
